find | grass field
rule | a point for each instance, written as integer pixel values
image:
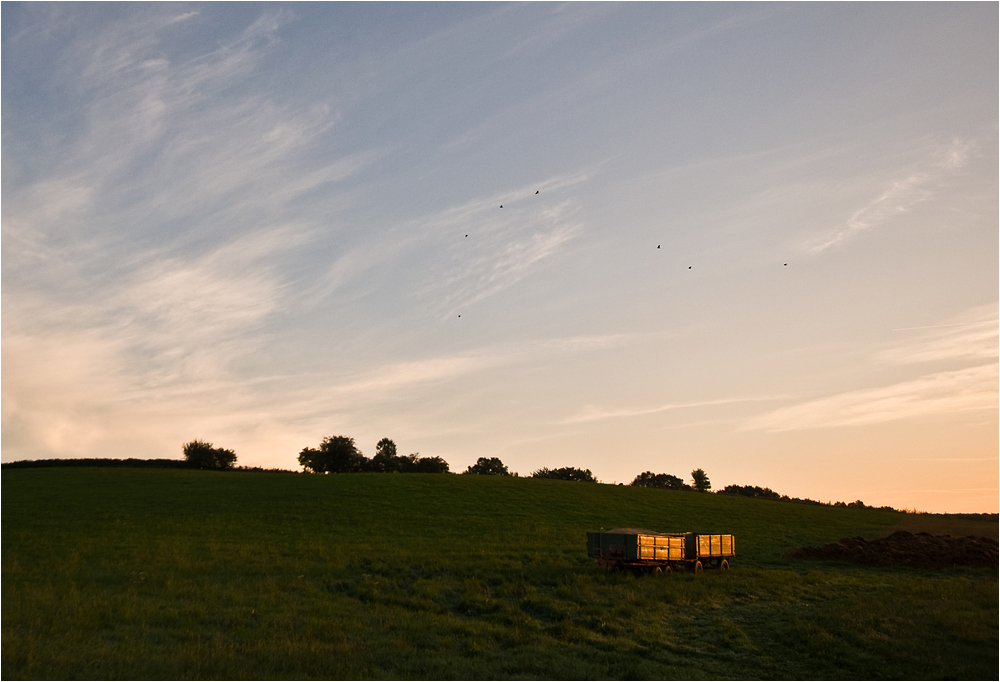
(166, 574)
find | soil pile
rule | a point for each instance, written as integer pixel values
(921, 550)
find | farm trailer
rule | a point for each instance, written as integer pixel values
(640, 549)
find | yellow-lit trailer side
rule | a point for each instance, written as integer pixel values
(639, 548)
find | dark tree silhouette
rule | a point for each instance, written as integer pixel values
(749, 491)
(648, 479)
(200, 454)
(701, 482)
(339, 455)
(428, 465)
(565, 474)
(336, 455)
(342, 455)
(491, 466)
(415, 464)
(312, 461)
(385, 459)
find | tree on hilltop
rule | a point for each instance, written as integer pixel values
(415, 464)
(701, 482)
(491, 466)
(385, 459)
(648, 479)
(312, 461)
(335, 455)
(200, 454)
(339, 455)
(754, 491)
(565, 474)
(427, 465)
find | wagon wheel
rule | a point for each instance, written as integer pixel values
(667, 568)
(698, 568)
(658, 570)
(724, 565)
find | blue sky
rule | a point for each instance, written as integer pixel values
(759, 239)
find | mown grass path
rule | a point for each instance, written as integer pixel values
(166, 574)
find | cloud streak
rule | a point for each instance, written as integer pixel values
(974, 388)
(504, 245)
(593, 413)
(977, 338)
(973, 337)
(171, 149)
(157, 240)
(900, 196)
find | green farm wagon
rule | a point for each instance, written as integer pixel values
(640, 549)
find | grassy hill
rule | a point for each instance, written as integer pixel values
(154, 574)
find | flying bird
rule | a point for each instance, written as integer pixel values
(501, 205)
(536, 191)
(689, 267)
(657, 246)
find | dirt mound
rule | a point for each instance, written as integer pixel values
(921, 550)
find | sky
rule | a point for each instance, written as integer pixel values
(756, 239)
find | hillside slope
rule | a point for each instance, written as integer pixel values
(121, 573)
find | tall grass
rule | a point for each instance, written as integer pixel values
(154, 574)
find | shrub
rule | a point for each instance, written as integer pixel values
(750, 491)
(565, 474)
(428, 465)
(200, 454)
(648, 479)
(491, 466)
(97, 462)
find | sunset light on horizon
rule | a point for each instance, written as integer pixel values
(756, 239)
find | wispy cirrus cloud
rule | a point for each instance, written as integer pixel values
(435, 369)
(503, 246)
(975, 337)
(594, 413)
(151, 257)
(170, 331)
(942, 491)
(901, 195)
(557, 23)
(400, 375)
(974, 388)
(166, 218)
(952, 459)
(971, 337)
(170, 145)
(514, 257)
